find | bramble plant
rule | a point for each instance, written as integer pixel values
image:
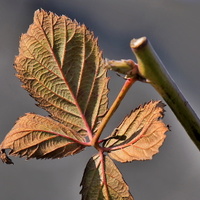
(61, 66)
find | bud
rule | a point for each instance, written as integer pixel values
(126, 67)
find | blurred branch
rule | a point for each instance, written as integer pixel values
(151, 68)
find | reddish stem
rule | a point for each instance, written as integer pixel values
(128, 83)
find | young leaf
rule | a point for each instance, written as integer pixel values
(35, 136)
(61, 66)
(140, 134)
(102, 180)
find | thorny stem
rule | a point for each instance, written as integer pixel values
(151, 68)
(128, 83)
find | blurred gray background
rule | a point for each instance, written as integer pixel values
(173, 28)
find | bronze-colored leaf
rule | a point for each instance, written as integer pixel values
(35, 136)
(61, 66)
(102, 180)
(140, 134)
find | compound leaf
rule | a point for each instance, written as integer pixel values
(35, 136)
(102, 180)
(140, 134)
(61, 66)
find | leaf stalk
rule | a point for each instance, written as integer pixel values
(128, 83)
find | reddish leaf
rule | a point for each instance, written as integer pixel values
(60, 64)
(102, 180)
(140, 134)
(35, 136)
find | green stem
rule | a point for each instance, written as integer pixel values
(151, 68)
(129, 82)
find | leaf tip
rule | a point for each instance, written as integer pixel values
(5, 158)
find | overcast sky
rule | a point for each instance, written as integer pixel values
(173, 28)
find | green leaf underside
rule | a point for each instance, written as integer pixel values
(61, 66)
(39, 137)
(94, 186)
(140, 134)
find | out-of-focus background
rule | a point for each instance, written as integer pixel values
(173, 28)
